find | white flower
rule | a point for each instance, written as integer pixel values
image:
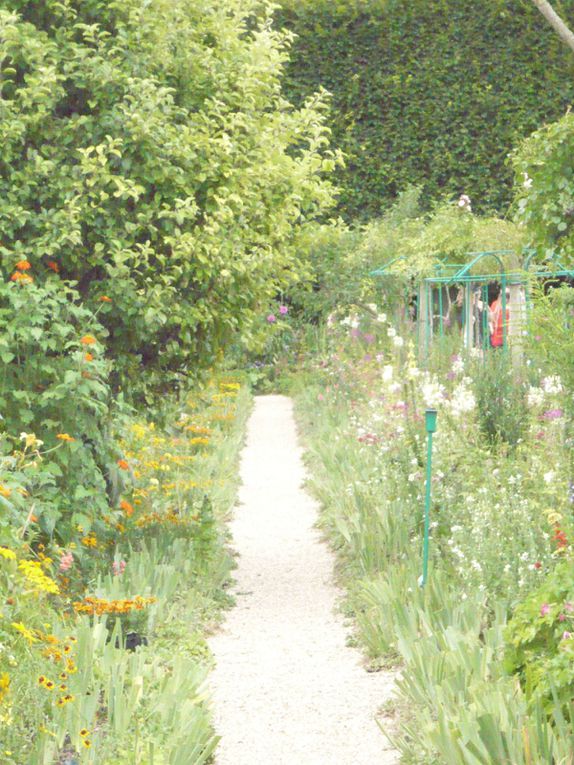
(350, 321)
(391, 332)
(387, 373)
(475, 353)
(527, 181)
(535, 396)
(372, 307)
(413, 373)
(552, 384)
(464, 202)
(382, 317)
(433, 392)
(462, 400)
(398, 342)
(549, 476)
(458, 365)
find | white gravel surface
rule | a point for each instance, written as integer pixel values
(286, 689)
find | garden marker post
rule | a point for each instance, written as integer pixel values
(430, 422)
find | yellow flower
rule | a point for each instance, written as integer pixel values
(65, 437)
(32, 570)
(23, 630)
(30, 441)
(8, 554)
(87, 743)
(84, 732)
(4, 685)
(5, 491)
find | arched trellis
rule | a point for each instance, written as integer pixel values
(475, 285)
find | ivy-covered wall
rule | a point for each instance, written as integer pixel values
(431, 92)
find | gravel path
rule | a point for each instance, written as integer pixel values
(286, 688)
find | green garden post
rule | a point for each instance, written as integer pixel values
(430, 422)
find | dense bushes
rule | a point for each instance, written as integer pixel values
(435, 93)
(149, 156)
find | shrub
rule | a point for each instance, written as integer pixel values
(149, 156)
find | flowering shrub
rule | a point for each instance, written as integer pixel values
(540, 639)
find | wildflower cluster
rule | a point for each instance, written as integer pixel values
(99, 606)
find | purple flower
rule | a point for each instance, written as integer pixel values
(369, 338)
(355, 333)
(553, 414)
(271, 318)
(544, 609)
(566, 635)
(283, 310)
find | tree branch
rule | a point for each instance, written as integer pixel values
(555, 22)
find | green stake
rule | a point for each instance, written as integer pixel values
(430, 422)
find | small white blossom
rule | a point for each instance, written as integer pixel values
(391, 332)
(535, 396)
(552, 384)
(398, 342)
(387, 373)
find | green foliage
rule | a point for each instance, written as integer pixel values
(544, 174)
(55, 386)
(416, 241)
(551, 344)
(431, 93)
(502, 413)
(149, 156)
(540, 639)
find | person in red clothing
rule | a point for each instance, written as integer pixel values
(496, 322)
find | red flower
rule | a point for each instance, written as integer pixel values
(53, 266)
(560, 538)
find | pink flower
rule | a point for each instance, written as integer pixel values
(320, 397)
(544, 609)
(552, 414)
(566, 635)
(118, 567)
(562, 618)
(271, 318)
(568, 607)
(66, 561)
(283, 310)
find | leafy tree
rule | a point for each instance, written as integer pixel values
(149, 157)
(544, 169)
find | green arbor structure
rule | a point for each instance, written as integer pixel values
(458, 297)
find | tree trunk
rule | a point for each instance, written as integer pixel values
(555, 22)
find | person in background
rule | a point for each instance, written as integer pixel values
(496, 322)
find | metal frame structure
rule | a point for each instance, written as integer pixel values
(475, 304)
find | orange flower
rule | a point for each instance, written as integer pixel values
(65, 437)
(105, 299)
(23, 265)
(88, 357)
(88, 340)
(127, 508)
(54, 266)
(33, 519)
(123, 464)
(21, 278)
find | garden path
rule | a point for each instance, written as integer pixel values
(287, 689)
